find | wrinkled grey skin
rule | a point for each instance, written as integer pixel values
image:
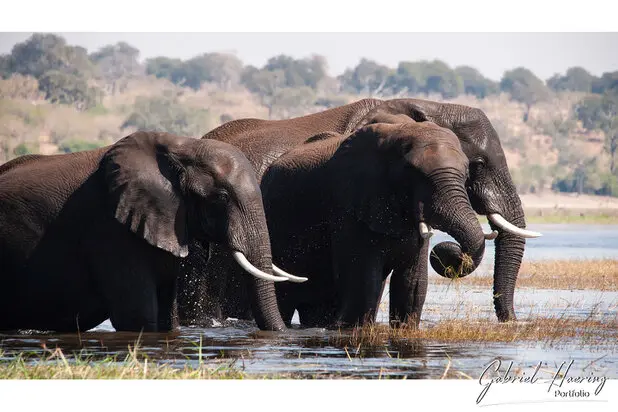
(345, 211)
(490, 189)
(97, 234)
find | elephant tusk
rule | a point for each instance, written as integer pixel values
(292, 278)
(505, 225)
(492, 235)
(425, 229)
(246, 265)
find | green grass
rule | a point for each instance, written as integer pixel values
(585, 217)
(55, 365)
(593, 216)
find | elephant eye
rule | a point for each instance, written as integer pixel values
(477, 165)
(222, 196)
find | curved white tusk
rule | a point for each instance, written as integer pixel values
(505, 225)
(284, 274)
(425, 229)
(492, 235)
(246, 265)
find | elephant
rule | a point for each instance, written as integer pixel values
(489, 186)
(346, 210)
(102, 233)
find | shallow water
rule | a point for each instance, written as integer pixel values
(311, 352)
(559, 242)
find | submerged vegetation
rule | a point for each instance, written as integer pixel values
(552, 330)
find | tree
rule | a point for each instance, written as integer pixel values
(316, 70)
(442, 79)
(44, 52)
(166, 114)
(608, 83)
(266, 84)
(163, 67)
(117, 63)
(427, 77)
(475, 83)
(299, 72)
(65, 88)
(407, 79)
(576, 79)
(601, 112)
(367, 77)
(584, 177)
(222, 69)
(524, 87)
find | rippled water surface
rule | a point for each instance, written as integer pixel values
(311, 352)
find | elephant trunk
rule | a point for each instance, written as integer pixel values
(256, 248)
(454, 215)
(509, 254)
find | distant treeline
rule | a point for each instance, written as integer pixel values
(46, 67)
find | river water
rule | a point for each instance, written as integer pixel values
(312, 352)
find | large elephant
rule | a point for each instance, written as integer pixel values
(346, 210)
(97, 234)
(489, 187)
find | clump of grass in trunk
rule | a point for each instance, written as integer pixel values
(464, 269)
(600, 274)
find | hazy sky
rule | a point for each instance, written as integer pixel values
(491, 53)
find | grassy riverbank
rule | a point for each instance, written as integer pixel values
(553, 207)
(601, 274)
(573, 216)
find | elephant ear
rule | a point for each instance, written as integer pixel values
(366, 182)
(143, 179)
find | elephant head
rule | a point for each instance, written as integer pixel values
(171, 190)
(489, 184)
(413, 175)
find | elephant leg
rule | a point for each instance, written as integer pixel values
(408, 289)
(317, 314)
(134, 307)
(287, 307)
(167, 315)
(358, 266)
(130, 292)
